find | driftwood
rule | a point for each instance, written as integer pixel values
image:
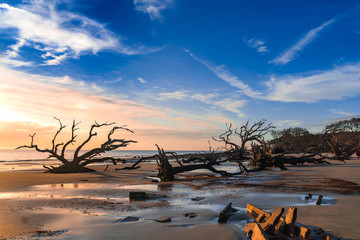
(226, 213)
(274, 226)
(319, 200)
(166, 172)
(135, 165)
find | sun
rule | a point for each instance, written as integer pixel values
(8, 114)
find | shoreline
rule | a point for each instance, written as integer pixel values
(267, 189)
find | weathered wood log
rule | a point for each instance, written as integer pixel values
(260, 218)
(255, 232)
(319, 200)
(225, 214)
(272, 221)
(304, 233)
(127, 219)
(280, 236)
(328, 237)
(254, 212)
(290, 219)
(281, 226)
(190, 215)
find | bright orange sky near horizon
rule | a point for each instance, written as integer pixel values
(29, 106)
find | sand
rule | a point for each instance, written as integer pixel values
(87, 205)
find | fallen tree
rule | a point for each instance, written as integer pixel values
(80, 160)
(166, 172)
(235, 152)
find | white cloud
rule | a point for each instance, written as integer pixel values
(257, 44)
(291, 53)
(13, 52)
(173, 95)
(334, 84)
(152, 7)
(337, 111)
(41, 25)
(140, 79)
(232, 105)
(59, 34)
(229, 104)
(116, 80)
(8, 61)
(287, 123)
(226, 76)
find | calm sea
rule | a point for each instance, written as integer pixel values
(29, 159)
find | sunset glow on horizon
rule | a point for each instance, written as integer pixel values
(174, 71)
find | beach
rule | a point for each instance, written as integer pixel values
(95, 205)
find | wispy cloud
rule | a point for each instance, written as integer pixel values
(152, 7)
(173, 95)
(141, 80)
(257, 44)
(225, 75)
(214, 100)
(334, 84)
(287, 123)
(295, 50)
(340, 112)
(59, 34)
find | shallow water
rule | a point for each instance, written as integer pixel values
(178, 195)
(87, 199)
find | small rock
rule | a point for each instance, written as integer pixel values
(163, 219)
(137, 195)
(179, 225)
(197, 199)
(190, 215)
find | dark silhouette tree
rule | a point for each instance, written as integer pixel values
(343, 137)
(80, 159)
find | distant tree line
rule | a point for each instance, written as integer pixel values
(340, 138)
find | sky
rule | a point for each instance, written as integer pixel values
(175, 71)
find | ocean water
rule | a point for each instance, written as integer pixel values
(30, 159)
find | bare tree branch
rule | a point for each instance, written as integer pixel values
(78, 163)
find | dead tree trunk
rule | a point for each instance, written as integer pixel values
(166, 172)
(80, 160)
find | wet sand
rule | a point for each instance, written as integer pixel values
(87, 205)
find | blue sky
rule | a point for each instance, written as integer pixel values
(175, 70)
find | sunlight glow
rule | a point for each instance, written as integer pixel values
(7, 114)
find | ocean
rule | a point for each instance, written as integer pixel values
(29, 159)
